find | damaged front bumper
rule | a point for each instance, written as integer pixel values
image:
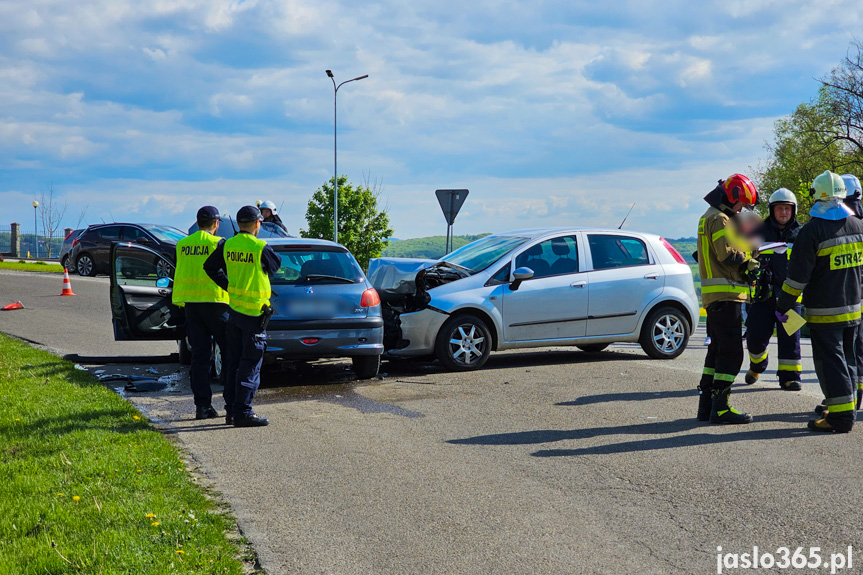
(417, 332)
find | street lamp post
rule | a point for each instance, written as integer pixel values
(336, 153)
(35, 228)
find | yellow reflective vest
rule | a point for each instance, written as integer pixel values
(191, 283)
(248, 284)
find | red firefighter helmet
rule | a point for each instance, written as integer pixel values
(739, 188)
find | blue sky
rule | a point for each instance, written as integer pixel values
(551, 113)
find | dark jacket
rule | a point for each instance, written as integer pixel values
(276, 220)
(778, 263)
(825, 265)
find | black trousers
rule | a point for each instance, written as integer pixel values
(760, 323)
(725, 352)
(205, 323)
(834, 353)
(246, 345)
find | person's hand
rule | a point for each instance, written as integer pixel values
(753, 265)
(781, 316)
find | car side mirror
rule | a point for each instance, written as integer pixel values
(143, 240)
(520, 275)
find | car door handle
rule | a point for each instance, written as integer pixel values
(163, 292)
(651, 276)
(580, 284)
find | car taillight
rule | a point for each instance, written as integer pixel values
(674, 253)
(370, 298)
(74, 242)
(70, 233)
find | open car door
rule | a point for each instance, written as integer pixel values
(141, 295)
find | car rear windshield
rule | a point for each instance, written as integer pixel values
(165, 233)
(306, 266)
(478, 255)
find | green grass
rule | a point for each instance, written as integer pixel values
(88, 486)
(31, 267)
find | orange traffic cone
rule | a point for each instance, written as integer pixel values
(67, 285)
(16, 305)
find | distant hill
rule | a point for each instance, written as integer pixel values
(685, 246)
(432, 247)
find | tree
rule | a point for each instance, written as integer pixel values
(363, 228)
(844, 88)
(805, 145)
(51, 213)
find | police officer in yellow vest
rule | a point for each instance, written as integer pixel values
(242, 265)
(206, 305)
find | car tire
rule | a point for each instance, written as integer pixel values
(216, 363)
(593, 347)
(163, 269)
(65, 263)
(366, 366)
(184, 351)
(85, 265)
(665, 333)
(463, 343)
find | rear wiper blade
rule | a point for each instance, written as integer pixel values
(325, 277)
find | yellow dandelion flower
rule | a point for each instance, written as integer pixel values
(59, 495)
(76, 498)
(154, 524)
(139, 471)
(150, 515)
(135, 417)
(180, 551)
(17, 419)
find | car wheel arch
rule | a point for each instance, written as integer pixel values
(482, 314)
(666, 303)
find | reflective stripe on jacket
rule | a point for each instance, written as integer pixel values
(720, 253)
(191, 283)
(826, 267)
(248, 284)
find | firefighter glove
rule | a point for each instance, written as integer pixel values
(781, 316)
(752, 265)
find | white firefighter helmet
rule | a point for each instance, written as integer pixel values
(852, 185)
(827, 186)
(270, 206)
(782, 196)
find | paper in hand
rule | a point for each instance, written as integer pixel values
(794, 323)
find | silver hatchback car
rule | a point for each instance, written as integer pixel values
(538, 288)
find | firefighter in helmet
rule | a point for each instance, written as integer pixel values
(780, 225)
(723, 257)
(825, 267)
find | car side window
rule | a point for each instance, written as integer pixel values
(131, 234)
(609, 251)
(139, 270)
(554, 257)
(110, 233)
(500, 277)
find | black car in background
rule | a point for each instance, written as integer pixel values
(91, 250)
(66, 249)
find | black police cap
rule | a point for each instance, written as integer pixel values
(208, 213)
(249, 214)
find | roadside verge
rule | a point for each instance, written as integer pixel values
(87, 485)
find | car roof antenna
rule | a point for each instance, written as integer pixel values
(620, 227)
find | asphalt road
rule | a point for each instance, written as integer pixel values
(546, 462)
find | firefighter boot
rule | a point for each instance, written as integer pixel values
(705, 402)
(751, 377)
(831, 424)
(859, 395)
(722, 412)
